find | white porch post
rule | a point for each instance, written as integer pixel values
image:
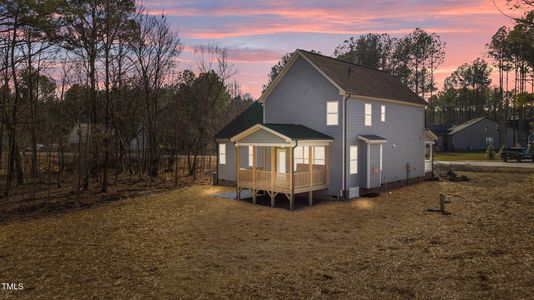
(291, 174)
(237, 167)
(310, 169)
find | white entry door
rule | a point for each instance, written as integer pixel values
(281, 160)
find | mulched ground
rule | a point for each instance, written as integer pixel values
(188, 244)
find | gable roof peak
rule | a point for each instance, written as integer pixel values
(363, 81)
(344, 61)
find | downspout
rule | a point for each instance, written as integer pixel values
(292, 166)
(237, 168)
(344, 143)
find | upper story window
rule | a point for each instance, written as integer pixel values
(382, 113)
(368, 114)
(222, 154)
(332, 116)
(250, 156)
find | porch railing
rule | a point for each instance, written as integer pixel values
(264, 178)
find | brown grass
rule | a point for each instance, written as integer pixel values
(188, 244)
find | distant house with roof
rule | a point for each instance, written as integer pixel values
(475, 134)
(329, 127)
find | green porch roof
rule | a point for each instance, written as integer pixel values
(249, 117)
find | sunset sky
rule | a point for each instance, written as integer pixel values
(258, 33)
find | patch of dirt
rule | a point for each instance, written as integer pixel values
(188, 244)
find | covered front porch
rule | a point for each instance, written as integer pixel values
(281, 159)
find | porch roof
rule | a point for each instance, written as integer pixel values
(284, 132)
(298, 132)
(249, 117)
(372, 139)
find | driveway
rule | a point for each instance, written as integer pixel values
(497, 163)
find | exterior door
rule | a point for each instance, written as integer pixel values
(373, 165)
(281, 160)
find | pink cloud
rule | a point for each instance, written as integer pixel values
(245, 55)
(465, 25)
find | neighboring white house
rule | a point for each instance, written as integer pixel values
(140, 141)
(79, 132)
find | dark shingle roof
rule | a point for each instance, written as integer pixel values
(249, 117)
(298, 132)
(363, 81)
(440, 129)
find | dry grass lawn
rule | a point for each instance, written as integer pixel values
(187, 244)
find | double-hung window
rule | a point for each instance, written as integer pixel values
(353, 159)
(382, 113)
(301, 156)
(222, 154)
(332, 113)
(368, 114)
(319, 155)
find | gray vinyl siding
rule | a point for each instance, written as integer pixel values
(262, 136)
(300, 98)
(227, 172)
(404, 128)
(474, 136)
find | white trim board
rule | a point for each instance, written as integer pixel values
(257, 127)
(368, 141)
(370, 98)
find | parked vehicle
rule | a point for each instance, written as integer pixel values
(517, 153)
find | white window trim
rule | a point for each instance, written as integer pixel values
(353, 159)
(250, 156)
(368, 114)
(336, 113)
(382, 113)
(222, 154)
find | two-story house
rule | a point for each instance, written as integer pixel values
(325, 126)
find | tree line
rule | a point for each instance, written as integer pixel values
(468, 93)
(81, 80)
